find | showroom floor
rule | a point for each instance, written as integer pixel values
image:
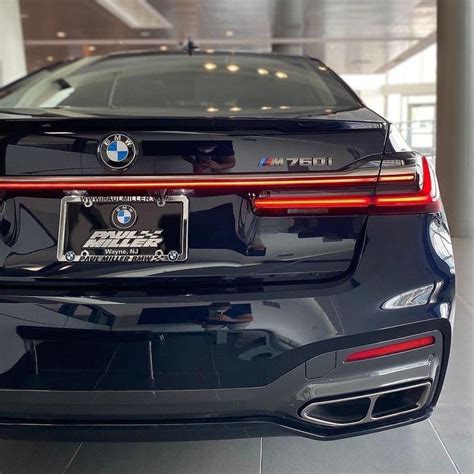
(443, 444)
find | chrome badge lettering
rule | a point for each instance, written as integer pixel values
(290, 162)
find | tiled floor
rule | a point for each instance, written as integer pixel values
(443, 444)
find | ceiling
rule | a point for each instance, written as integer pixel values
(351, 36)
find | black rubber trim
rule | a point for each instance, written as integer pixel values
(192, 430)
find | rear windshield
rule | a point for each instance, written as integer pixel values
(178, 84)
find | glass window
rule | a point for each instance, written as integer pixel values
(178, 84)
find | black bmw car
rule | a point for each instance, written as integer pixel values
(214, 245)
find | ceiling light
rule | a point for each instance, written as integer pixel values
(209, 51)
(233, 67)
(60, 34)
(212, 109)
(281, 75)
(163, 47)
(265, 107)
(229, 33)
(138, 14)
(210, 66)
(50, 59)
(235, 109)
(92, 48)
(284, 107)
(262, 71)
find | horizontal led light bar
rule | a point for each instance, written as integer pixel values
(391, 349)
(397, 178)
(312, 203)
(383, 201)
(173, 182)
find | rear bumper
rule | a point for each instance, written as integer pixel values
(272, 409)
(145, 363)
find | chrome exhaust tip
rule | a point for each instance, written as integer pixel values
(367, 407)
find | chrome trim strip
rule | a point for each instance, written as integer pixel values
(373, 398)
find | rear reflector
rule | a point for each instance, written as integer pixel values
(391, 349)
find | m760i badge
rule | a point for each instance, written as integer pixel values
(290, 162)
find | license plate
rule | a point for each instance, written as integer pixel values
(102, 229)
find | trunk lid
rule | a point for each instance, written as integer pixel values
(227, 240)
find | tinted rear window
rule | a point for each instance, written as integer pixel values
(176, 84)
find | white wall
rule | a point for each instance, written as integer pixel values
(12, 52)
(387, 93)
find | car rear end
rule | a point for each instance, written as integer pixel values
(214, 245)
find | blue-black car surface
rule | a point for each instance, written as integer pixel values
(214, 245)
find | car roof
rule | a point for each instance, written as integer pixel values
(199, 52)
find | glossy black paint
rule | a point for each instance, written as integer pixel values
(49, 147)
(267, 328)
(258, 297)
(243, 243)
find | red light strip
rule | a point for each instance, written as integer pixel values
(401, 200)
(92, 183)
(424, 196)
(142, 183)
(391, 349)
(387, 202)
(397, 178)
(312, 203)
(137, 183)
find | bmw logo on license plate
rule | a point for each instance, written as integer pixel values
(124, 216)
(117, 151)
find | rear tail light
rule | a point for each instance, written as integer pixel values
(426, 199)
(312, 202)
(395, 193)
(404, 185)
(220, 182)
(223, 182)
(391, 349)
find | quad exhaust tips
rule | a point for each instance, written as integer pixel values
(368, 407)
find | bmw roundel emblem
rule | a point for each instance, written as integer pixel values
(124, 216)
(173, 255)
(117, 151)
